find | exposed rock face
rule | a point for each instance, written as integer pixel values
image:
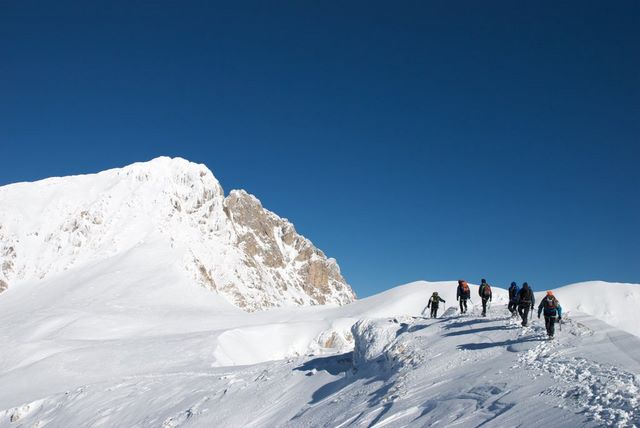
(231, 245)
(289, 259)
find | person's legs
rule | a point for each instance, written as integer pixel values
(552, 323)
(547, 325)
(462, 305)
(524, 313)
(484, 307)
(434, 311)
(465, 305)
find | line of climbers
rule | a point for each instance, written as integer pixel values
(464, 294)
(521, 301)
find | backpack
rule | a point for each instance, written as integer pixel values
(486, 291)
(513, 290)
(525, 295)
(465, 288)
(550, 303)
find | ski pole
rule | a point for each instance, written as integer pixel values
(560, 325)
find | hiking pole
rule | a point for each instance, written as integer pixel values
(423, 311)
(560, 325)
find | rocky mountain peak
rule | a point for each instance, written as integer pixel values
(232, 245)
(274, 242)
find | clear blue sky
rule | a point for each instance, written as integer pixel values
(409, 140)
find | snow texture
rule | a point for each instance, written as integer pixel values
(86, 352)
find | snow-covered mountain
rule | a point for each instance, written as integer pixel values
(133, 299)
(232, 245)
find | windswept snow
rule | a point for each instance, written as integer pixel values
(105, 350)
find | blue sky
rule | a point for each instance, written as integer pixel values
(409, 140)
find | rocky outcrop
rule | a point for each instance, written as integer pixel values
(277, 251)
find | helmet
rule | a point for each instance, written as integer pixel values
(525, 284)
(435, 293)
(460, 281)
(513, 284)
(484, 281)
(549, 293)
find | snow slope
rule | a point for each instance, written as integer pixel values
(109, 319)
(122, 343)
(614, 303)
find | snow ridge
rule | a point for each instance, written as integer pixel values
(373, 362)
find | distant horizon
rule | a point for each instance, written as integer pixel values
(228, 191)
(407, 141)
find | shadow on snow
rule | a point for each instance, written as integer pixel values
(476, 330)
(503, 344)
(334, 364)
(472, 321)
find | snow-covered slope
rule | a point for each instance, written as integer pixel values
(232, 245)
(91, 350)
(614, 303)
(106, 322)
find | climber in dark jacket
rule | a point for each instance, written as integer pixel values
(513, 303)
(485, 294)
(434, 301)
(526, 301)
(463, 294)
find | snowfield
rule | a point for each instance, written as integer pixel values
(124, 343)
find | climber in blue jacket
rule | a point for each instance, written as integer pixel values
(552, 310)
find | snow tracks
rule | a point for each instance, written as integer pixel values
(463, 371)
(475, 371)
